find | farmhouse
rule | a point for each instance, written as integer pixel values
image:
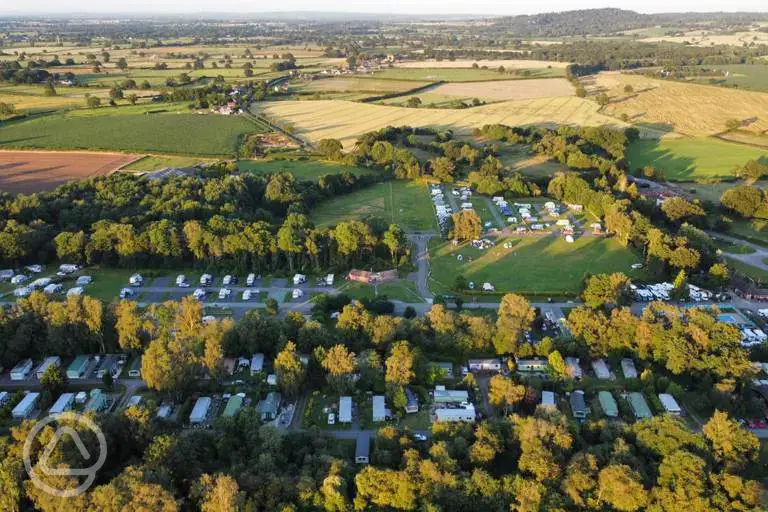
(455, 415)
(670, 404)
(200, 410)
(24, 408)
(362, 449)
(548, 400)
(76, 370)
(22, 370)
(532, 365)
(639, 405)
(379, 408)
(63, 404)
(450, 396)
(485, 365)
(345, 409)
(608, 404)
(628, 368)
(601, 369)
(578, 405)
(269, 407)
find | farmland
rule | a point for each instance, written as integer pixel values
(691, 159)
(346, 121)
(404, 203)
(753, 77)
(301, 169)
(30, 98)
(130, 129)
(354, 87)
(694, 110)
(551, 66)
(154, 162)
(27, 172)
(534, 265)
(507, 90)
(466, 74)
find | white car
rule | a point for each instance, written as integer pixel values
(35, 269)
(224, 293)
(83, 280)
(206, 279)
(181, 281)
(250, 280)
(331, 418)
(199, 294)
(125, 293)
(229, 280)
(419, 437)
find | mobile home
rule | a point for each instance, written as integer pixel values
(24, 408)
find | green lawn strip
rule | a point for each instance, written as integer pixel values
(755, 231)
(309, 169)
(691, 159)
(403, 290)
(757, 274)
(463, 74)
(534, 265)
(733, 248)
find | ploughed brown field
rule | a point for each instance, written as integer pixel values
(36, 171)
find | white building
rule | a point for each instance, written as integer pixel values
(379, 408)
(63, 404)
(24, 408)
(22, 370)
(200, 410)
(47, 363)
(456, 415)
(345, 409)
(670, 404)
(257, 363)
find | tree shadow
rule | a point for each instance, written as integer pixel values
(649, 152)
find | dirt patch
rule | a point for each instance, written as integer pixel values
(37, 171)
(508, 89)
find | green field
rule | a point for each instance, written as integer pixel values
(154, 162)
(403, 290)
(534, 265)
(753, 77)
(405, 203)
(462, 74)
(691, 159)
(130, 129)
(302, 169)
(759, 275)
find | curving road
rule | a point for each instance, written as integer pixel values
(756, 259)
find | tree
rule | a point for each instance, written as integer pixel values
(132, 98)
(719, 275)
(394, 239)
(330, 149)
(733, 124)
(7, 109)
(128, 325)
(49, 89)
(515, 316)
(680, 286)
(503, 392)
(413, 102)
(339, 362)
(603, 99)
(744, 200)
(219, 493)
(678, 209)
(442, 168)
(629, 89)
(606, 290)
(557, 366)
(622, 488)
(466, 225)
(400, 364)
(92, 102)
(53, 380)
(289, 370)
(122, 64)
(732, 446)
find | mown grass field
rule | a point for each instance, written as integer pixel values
(691, 159)
(534, 265)
(302, 169)
(30, 98)
(405, 203)
(130, 129)
(753, 77)
(346, 120)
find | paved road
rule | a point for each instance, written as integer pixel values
(755, 259)
(421, 259)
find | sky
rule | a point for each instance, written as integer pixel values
(478, 7)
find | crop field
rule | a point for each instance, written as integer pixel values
(302, 169)
(35, 171)
(466, 74)
(534, 265)
(155, 162)
(695, 110)
(507, 89)
(491, 64)
(355, 84)
(346, 121)
(691, 159)
(30, 98)
(130, 129)
(704, 38)
(405, 203)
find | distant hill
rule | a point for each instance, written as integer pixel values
(611, 21)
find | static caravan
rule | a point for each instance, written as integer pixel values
(532, 365)
(24, 408)
(345, 409)
(234, 404)
(62, 405)
(47, 363)
(456, 415)
(485, 365)
(601, 369)
(257, 363)
(362, 449)
(379, 408)
(134, 371)
(200, 410)
(76, 370)
(22, 370)
(450, 396)
(412, 402)
(639, 405)
(670, 404)
(608, 404)
(578, 405)
(628, 368)
(548, 400)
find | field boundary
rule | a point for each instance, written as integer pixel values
(415, 90)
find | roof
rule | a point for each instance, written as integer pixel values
(410, 397)
(448, 414)
(574, 368)
(270, 405)
(345, 408)
(135, 364)
(363, 446)
(379, 406)
(78, 363)
(628, 368)
(200, 409)
(608, 403)
(458, 395)
(257, 362)
(24, 365)
(669, 402)
(578, 404)
(639, 405)
(97, 401)
(26, 402)
(548, 398)
(489, 360)
(64, 401)
(601, 369)
(233, 405)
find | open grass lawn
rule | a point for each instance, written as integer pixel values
(302, 169)
(534, 265)
(403, 290)
(691, 159)
(756, 232)
(130, 129)
(405, 203)
(154, 162)
(759, 275)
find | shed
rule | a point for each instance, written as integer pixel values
(456, 415)
(200, 410)
(639, 405)
(362, 449)
(345, 409)
(628, 368)
(412, 402)
(670, 404)
(269, 407)
(63, 404)
(578, 404)
(601, 369)
(24, 408)
(164, 412)
(22, 370)
(257, 363)
(379, 408)
(234, 404)
(608, 404)
(76, 370)
(548, 399)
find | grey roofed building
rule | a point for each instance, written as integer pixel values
(608, 404)
(639, 405)
(362, 449)
(269, 407)
(578, 404)
(628, 368)
(412, 403)
(379, 410)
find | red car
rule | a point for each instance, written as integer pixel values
(762, 424)
(751, 423)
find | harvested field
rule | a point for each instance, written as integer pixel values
(509, 64)
(346, 121)
(36, 171)
(691, 109)
(508, 89)
(346, 84)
